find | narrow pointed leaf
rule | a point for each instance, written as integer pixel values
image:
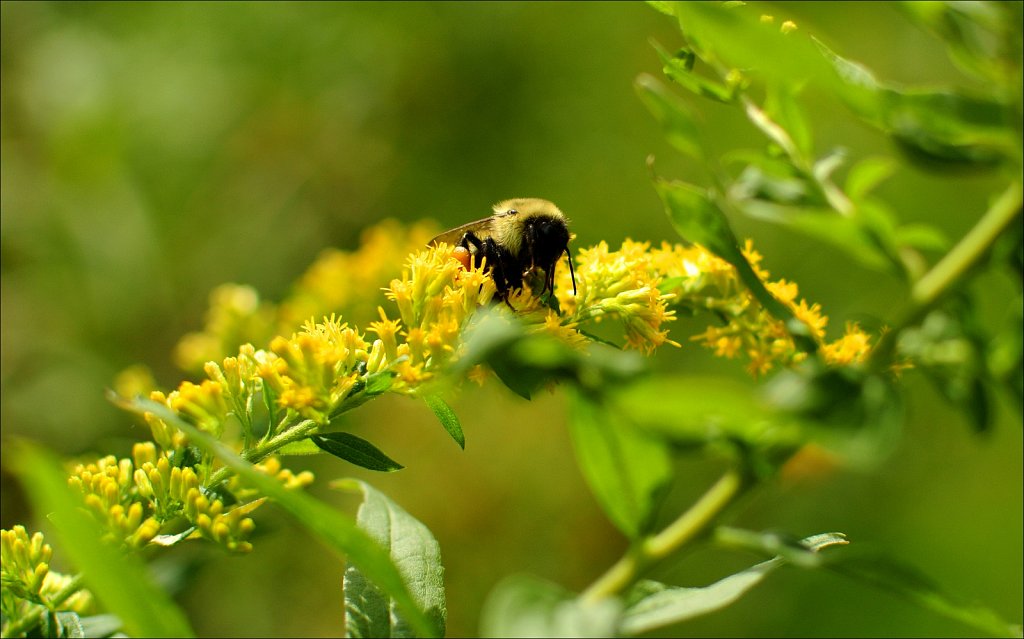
(447, 417)
(898, 578)
(356, 450)
(655, 605)
(674, 116)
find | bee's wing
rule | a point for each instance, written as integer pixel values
(481, 228)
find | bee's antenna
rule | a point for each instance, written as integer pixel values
(571, 273)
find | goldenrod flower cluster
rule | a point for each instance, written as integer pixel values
(307, 379)
(28, 581)
(136, 499)
(623, 286)
(339, 282)
(436, 297)
(320, 370)
(697, 280)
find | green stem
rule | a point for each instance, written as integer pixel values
(680, 532)
(258, 453)
(968, 252)
(29, 621)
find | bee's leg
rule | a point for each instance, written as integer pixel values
(469, 239)
(495, 261)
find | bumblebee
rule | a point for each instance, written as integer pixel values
(522, 235)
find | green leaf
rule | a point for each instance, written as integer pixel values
(799, 552)
(101, 625)
(922, 236)
(663, 7)
(655, 605)
(849, 234)
(679, 69)
(868, 174)
(447, 417)
(904, 580)
(524, 606)
(938, 126)
(674, 116)
(118, 580)
(976, 34)
(781, 105)
(627, 470)
(356, 450)
(736, 37)
(337, 530)
(370, 612)
(697, 411)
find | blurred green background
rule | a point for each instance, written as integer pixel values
(153, 151)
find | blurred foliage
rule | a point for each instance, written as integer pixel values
(153, 152)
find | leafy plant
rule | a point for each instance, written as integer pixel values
(214, 458)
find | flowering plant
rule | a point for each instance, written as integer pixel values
(276, 379)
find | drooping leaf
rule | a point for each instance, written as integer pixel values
(626, 469)
(337, 530)
(934, 125)
(524, 606)
(447, 417)
(975, 34)
(680, 128)
(655, 605)
(700, 412)
(119, 581)
(906, 581)
(845, 233)
(369, 611)
(356, 450)
(679, 68)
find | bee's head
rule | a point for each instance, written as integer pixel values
(545, 239)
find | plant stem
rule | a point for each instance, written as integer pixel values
(680, 532)
(300, 431)
(26, 623)
(970, 250)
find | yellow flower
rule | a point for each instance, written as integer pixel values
(852, 348)
(28, 581)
